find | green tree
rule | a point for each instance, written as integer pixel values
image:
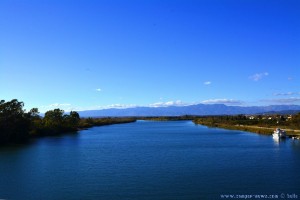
(53, 120)
(56, 122)
(36, 125)
(14, 122)
(34, 113)
(71, 121)
(296, 121)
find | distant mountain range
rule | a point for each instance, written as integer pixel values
(199, 109)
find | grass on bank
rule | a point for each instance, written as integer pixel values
(246, 125)
(90, 122)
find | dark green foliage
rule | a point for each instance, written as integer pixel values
(53, 120)
(36, 124)
(295, 121)
(71, 121)
(56, 122)
(17, 126)
(169, 118)
(14, 122)
(89, 122)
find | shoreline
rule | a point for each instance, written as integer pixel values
(254, 129)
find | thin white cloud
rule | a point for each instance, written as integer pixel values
(291, 100)
(98, 90)
(286, 93)
(64, 106)
(59, 104)
(258, 76)
(169, 103)
(207, 83)
(117, 106)
(222, 101)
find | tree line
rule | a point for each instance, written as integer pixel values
(18, 126)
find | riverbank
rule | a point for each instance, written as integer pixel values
(169, 118)
(85, 123)
(250, 128)
(232, 123)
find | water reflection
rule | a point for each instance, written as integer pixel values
(278, 140)
(295, 143)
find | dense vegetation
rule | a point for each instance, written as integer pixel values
(17, 125)
(258, 123)
(89, 122)
(169, 118)
(54, 122)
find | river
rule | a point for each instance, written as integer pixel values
(151, 160)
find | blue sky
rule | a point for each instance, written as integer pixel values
(84, 54)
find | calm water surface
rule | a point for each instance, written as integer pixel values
(150, 160)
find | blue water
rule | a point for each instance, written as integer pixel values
(150, 160)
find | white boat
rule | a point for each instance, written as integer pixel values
(278, 133)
